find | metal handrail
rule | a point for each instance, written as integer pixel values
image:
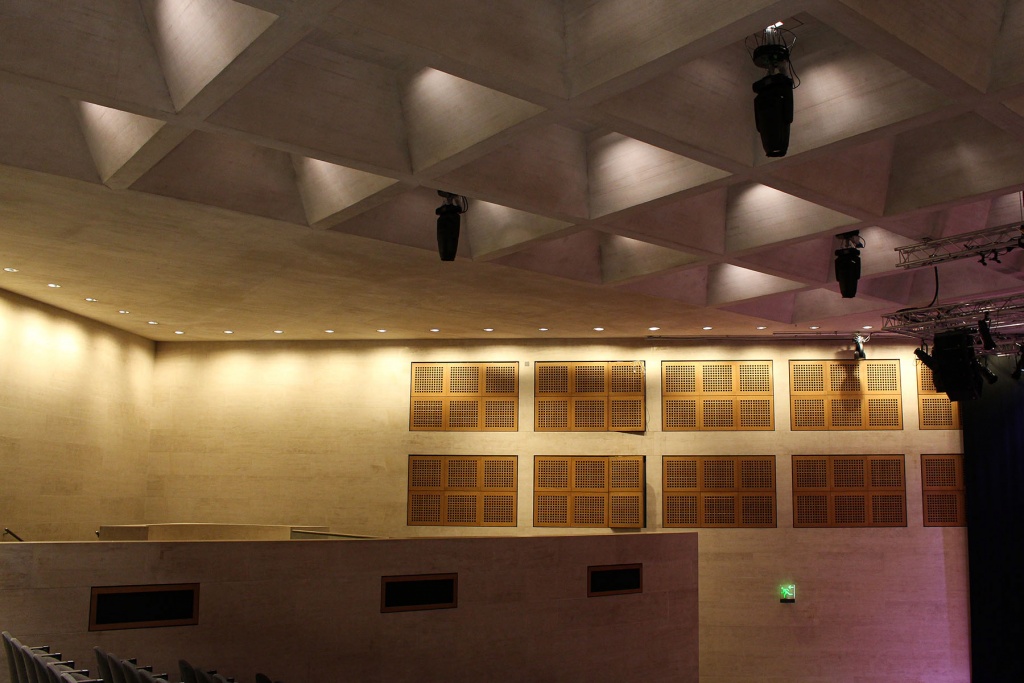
(329, 533)
(8, 532)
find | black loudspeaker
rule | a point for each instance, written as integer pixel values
(448, 231)
(773, 112)
(954, 373)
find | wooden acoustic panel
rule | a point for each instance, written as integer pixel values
(717, 395)
(849, 491)
(934, 408)
(719, 491)
(462, 490)
(466, 397)
(589, 491)
(942, 489)
(598, 396)
(845, 395)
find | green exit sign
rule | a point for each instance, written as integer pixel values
(787, 592)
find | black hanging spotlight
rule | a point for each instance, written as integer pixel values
(985, 330)
(848, 263)
(773, 102)
(448, 220)
(858, 346)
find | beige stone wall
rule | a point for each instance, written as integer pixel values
(75, 402)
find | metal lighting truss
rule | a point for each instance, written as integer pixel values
(983, 244)
(1005, 314)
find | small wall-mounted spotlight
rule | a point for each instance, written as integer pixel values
(985, 330)
(848, 263)
(773, 102)
(448, 220)
(858, 346)
(985, 372)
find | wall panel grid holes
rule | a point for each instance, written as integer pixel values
(590, 491)
(845, 395)
(462, 490)
(717, 395)
(934, 409)
(942, 484)
(719, 491)
(468, 397)
(596, 396)
(849, 490)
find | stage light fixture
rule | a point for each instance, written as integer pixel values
(928, 361)
(848, 263)
(858, 346)
(985, 372)
(985, 330)
(448, 220)
(773, 100)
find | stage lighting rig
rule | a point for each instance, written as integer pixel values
(448, 220)
(773, 102)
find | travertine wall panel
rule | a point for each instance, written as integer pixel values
(74, 422)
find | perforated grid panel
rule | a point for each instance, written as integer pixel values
(499, 474)
(500, 414)
(626, 474)
(755, 413)
(552, 474)
(940, 471)
(428, 379)
(717, 413)
(463, 413)
(719, 510)
(500, 379)
(680, 414)
(886, 472)
(756, 377)
(847, 412)
(719, 474)
(590, 510)
(757, 474)
(808, 413)
(883, 376)
(851, 509)
(943, 490)
(848, 473)
(627, 379)
(943, 509)
(499, 509)
(552, 379)
(590, 474)
(925, 379)
(627, 414)
(424, 508)
(680, 510)
(717, 377)
(883, 412)
(680, 474)
(463, 473)
(427, 414)
(590, 379)
(553, 413)
(810, 473)
(551, 509)
(808, 377)
(811, 510)
(465, 379)
(460, 508)
(757, 510)
(844, 377)
(625, 510)
(888, 509)
(936, 413)
(588, 413)
(680, 379)
(425, 472)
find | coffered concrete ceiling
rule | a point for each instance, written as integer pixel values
(269, 165)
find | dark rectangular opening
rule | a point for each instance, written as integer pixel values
(418, 592)
(115, 607)
(615, 579)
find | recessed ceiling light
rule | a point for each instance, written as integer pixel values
(153, 322)
(653, 329)
(762, 327)
(488, 329)
(815, 327)
(542, 329)
(278, 331)
(434, 329)
(382, 331)
(54, 285)
(229, 331)
(89, 298)
(329, 331)
(598, 329)
(178, 332)
(866, 327)
(11, 270)
(707, 327)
